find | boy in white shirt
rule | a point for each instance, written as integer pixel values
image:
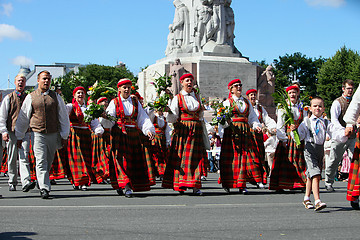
(314, 129)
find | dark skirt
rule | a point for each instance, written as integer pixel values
(159, 153)
(128, 160)
(4, 165)
(239, 162)
(289, 167)
(353, 188)
(259, 142)
(187, 157)
(58, 167)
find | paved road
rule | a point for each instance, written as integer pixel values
(100, 213)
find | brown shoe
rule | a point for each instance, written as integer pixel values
(319, 206)
(308, 204)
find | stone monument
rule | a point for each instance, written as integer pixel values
(201, 39)
(266, 87)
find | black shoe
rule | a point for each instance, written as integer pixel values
(76, 187)
(12, 188)
(129, 193)
(29, 186)
(53, 182)
(120, 192)
(243, 191)
(355, 205)
(329, 189)
(197, 192)
(227, 190)
(280, 191)
(181, 192)
(44, 194)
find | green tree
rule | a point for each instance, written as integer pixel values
(91, 73)
(345, 64)
(297, 67)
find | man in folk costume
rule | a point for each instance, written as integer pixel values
(187, 153)
(266, 123)
(337, 112)
(9, 110)
(81, 145)
(239, 162)
(288, 170)
(161, 141)
(350, 117)
(45, 113)
(128, 159)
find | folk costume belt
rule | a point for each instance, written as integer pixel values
(240, 119)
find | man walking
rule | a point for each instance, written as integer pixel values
(45, 113)
(9, 112)
(337, 112)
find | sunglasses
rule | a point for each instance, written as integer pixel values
(237, 85)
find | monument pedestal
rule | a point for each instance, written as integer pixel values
(212, 71)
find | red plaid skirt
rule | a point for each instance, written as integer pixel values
(128, 160)
(159, 153)
(32, 162)
(187, 157)
(353, 188)
(149, 161)
(4, 165)
(289, 167)
(259, 142)
(58, 166)
(239, 162)
(79, 149)
(100, 161)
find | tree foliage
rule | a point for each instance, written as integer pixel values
(345, 64)
(297, 67)
(88, 75)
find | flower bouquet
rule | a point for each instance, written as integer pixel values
(160, 103)
(101, 90)
(95, 111)
(162, 83)
(281, 98)
(221, 113)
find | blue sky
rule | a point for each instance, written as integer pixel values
(135, 32)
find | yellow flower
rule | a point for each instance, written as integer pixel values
(91, 88)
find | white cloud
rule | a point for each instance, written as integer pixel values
(326, 3)
(6, 9)
(22, 61)
(9, 31)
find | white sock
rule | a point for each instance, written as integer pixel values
(306, 198)
(317, 201)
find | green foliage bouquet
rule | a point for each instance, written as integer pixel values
(162, 83)
(160, 103)
(282, 99)
(95, 111)
(102, 89)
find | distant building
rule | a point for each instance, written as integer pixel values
(56, 70)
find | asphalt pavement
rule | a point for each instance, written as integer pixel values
(100, 213)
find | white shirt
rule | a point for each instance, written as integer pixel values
(335, 112)
(270, 144)
(161, 123)
(253, 120)
(4, 111)
(192, 104)
(23, 120)
(352, 113)
(332, 130)
(95, 124)
(268, 121)
(143, 121)
(280, 124)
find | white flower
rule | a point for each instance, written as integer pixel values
(52, 88)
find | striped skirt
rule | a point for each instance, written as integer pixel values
(187, 157)
(259, 142)
(100, 160)
(58, 167)
(353, 188)
(4, 165)
(239, 162)
(159, 153)
(128, 160)
(289, 167)
(79, 151)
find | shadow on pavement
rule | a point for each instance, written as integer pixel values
(16, 235)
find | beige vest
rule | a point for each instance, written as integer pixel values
(15, 104)
(45, 114)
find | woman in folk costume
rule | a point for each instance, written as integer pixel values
(128, 159)
(266, 123)
(350, 117)
(80, 144)
(239, 162)
(288, 170)
(187, 154)
(161, 141)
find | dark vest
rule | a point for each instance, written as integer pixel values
(15, 104)
(344, 104)
(45, 114)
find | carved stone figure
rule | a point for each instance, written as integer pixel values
(204, 29)
(171, 41)
(181, 25)
(266, 87)
(176, 71)
(230, 23)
